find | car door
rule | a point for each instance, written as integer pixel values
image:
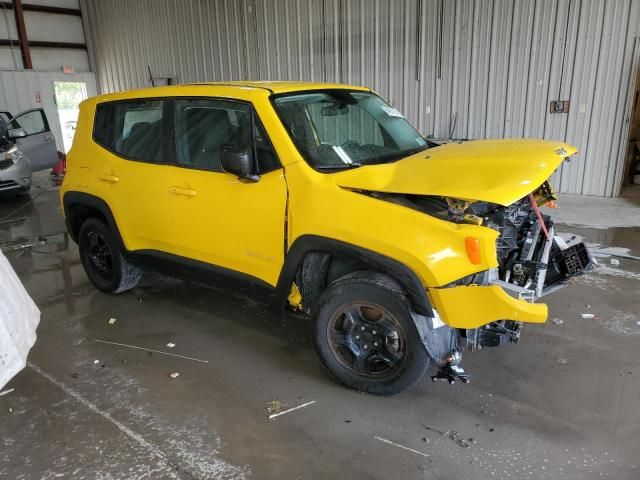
(130, 170)
(5, 116)
(218, 219)
(38, 143)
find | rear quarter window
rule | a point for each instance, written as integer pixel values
(132, 129)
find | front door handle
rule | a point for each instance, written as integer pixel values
(109, 178)
(185, 192)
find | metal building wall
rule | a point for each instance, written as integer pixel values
(18, 93)
(461, 68)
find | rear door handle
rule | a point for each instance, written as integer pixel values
(185, 192)
(109, 178)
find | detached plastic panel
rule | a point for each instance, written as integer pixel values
(19, 318)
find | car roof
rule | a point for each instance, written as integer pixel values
(231, 89)
(284, 86)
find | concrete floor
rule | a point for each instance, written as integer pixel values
(562, 404)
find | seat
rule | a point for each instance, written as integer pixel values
(144, 142)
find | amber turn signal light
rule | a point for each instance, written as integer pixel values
(472, 245)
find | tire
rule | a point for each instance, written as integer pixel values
(365, 315)
(102, 259)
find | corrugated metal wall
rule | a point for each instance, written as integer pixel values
(466, 68)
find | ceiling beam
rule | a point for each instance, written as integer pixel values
(27, 7)
(22, 35)
(4, 42)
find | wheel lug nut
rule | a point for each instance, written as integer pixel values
(366, 347)
(357, 337)
(362, 328)
(375, 344)
(374, 332)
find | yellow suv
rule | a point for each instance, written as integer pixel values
(322, 199)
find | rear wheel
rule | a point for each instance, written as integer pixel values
(365, 336)
(102, 259)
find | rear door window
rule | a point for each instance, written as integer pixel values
(133, 129)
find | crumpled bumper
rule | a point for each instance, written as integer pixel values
(476, 305)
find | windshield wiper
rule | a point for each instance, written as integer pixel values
(342, 166)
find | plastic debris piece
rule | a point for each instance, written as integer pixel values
(7, 391)
(587, 315)
(95, 362)
(112, 321)
(274, 406)
(171, 345)
(557, 321)
(451, 435)
(561, 361)
(174, 375)
(615, 261)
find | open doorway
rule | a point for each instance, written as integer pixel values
(634, 137)
(68, 96)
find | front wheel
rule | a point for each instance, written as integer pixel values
(102, 259)
(365, 336)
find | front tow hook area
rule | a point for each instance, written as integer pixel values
(450, 374)
(452, 371)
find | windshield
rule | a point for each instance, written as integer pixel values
(337, 129)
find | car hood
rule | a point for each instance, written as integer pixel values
(497, 171)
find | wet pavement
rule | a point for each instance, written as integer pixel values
(562, 404)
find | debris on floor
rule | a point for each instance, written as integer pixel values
(587, 315)
(95, 362)
(151, 351)
(274, 406)
(403, 447)
(277, 405)
(7, 392)
(112, 321)
(452, 435)
(171, 345)
(174, 375)
(561, 361)
(615, 261)
(557, 321)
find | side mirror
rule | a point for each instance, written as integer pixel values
(17, 133)
(238, 161)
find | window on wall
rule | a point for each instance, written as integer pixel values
(205, 126)
(132, 129)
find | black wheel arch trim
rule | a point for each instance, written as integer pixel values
(73, 198)
(413, 287)
(415, 291)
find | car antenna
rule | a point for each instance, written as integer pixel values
(453, 126)
(153, 84)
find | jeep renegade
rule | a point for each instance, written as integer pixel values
(322, 199)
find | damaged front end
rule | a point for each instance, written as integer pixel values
(533, 260)
(487, 309)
